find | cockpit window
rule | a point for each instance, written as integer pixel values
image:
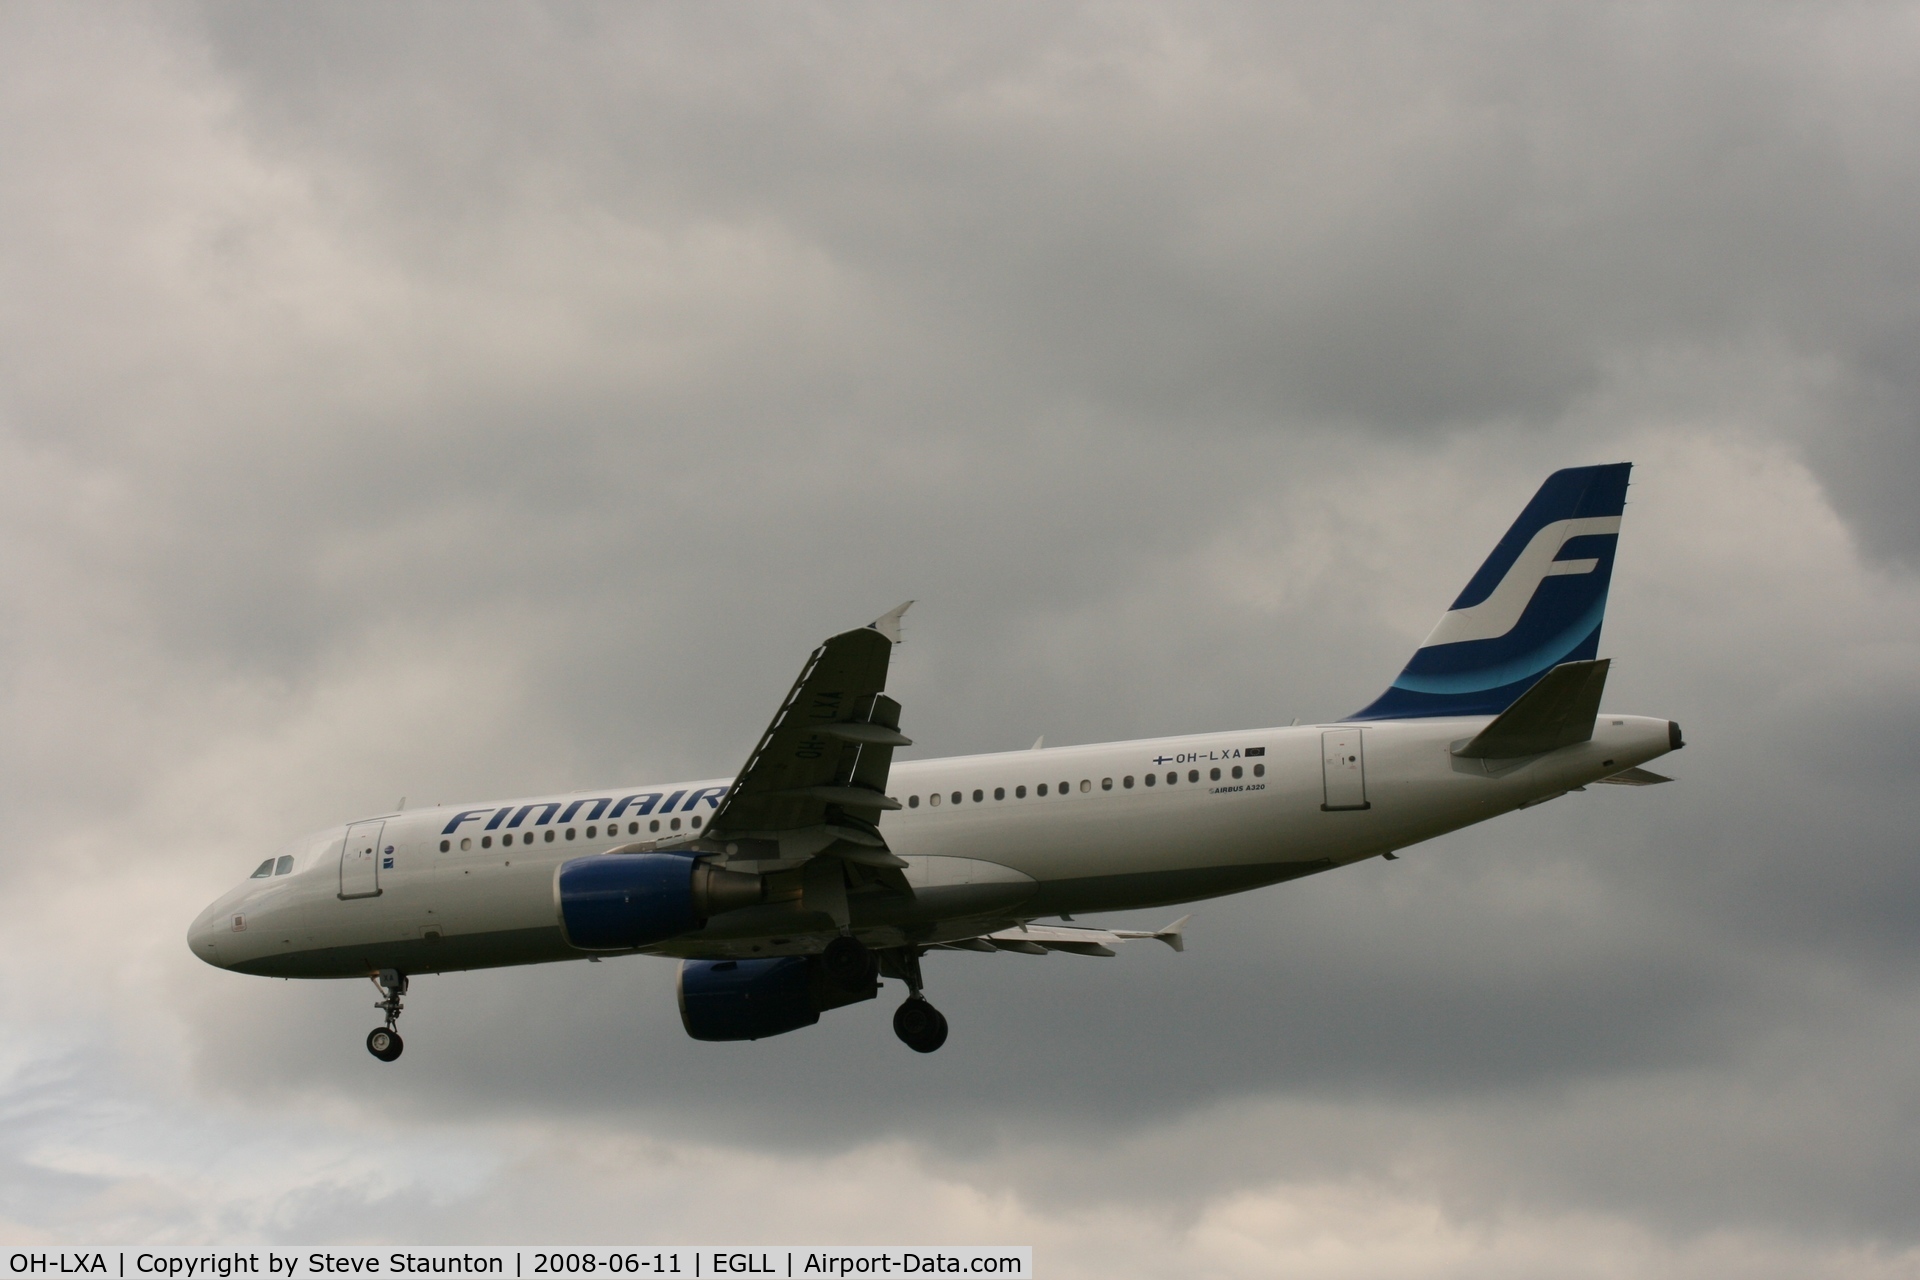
(283, 864)
(262, 871)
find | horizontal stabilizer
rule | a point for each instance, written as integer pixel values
(1174, 935)
(1636, 777)
(1557, 712)
(1038, 939)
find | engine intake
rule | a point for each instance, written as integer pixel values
(616, 902)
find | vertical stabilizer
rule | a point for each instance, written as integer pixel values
(1537, 602)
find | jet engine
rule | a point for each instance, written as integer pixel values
(619, 901)
(754, 999)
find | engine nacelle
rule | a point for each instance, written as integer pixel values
(619, 901)
(754, 999)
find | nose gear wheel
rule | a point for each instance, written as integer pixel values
(385, 1043)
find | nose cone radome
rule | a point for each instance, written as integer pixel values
(203, 935)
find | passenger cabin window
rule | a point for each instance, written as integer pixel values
(262, 871)
(913, 802)
(1151, 781)
(674, 823)
(999, 793)
(1172, 777)
(696, 820)
(1213, 775)
(466, 843)
(550, 835)
(590, 832)
(445, 845)
(934, 799)
(1064, 788)
(1236, 771)
(1259, 771)
(1040, 790)
(1193, 775)
(654, 825)
(1086, 784)
(570, 833)
(283, 866)
(1106, 784)
(1127, 781)
(978, 795)
(1020, 793)
(486, 842)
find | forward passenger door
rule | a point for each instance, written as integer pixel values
(360, 860)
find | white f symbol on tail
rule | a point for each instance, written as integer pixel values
(1499, 612)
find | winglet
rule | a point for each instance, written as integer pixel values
(1173, 934)
(888, 624)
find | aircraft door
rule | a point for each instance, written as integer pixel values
(1343, 762)
(360, 860)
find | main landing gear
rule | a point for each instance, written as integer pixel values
(920, 1026)
(384, 1043)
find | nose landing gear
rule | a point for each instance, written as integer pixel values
(920, 1026)
(384, 1043)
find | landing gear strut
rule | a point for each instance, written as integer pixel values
(384, 1043)
(920, 1026)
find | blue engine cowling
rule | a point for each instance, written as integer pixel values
(754, 999)
(616, 902)
(746, 999)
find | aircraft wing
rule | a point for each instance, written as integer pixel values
(817, 781)
(1038, 939)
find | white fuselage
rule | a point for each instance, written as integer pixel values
(433, 890)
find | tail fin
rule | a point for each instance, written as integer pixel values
(1537, 602)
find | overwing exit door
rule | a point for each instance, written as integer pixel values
(1343, 763)
(360, 860)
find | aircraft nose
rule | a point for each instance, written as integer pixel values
(203, 935)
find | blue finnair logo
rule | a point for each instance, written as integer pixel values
(1537, 601)
(1496, 617)
(633, 806)
(1500, 612)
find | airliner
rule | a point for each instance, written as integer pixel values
(823, 867)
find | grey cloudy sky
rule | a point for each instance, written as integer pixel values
(466, 400)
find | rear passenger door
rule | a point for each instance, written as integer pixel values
(1343, 769)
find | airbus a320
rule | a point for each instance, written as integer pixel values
(823, 866)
